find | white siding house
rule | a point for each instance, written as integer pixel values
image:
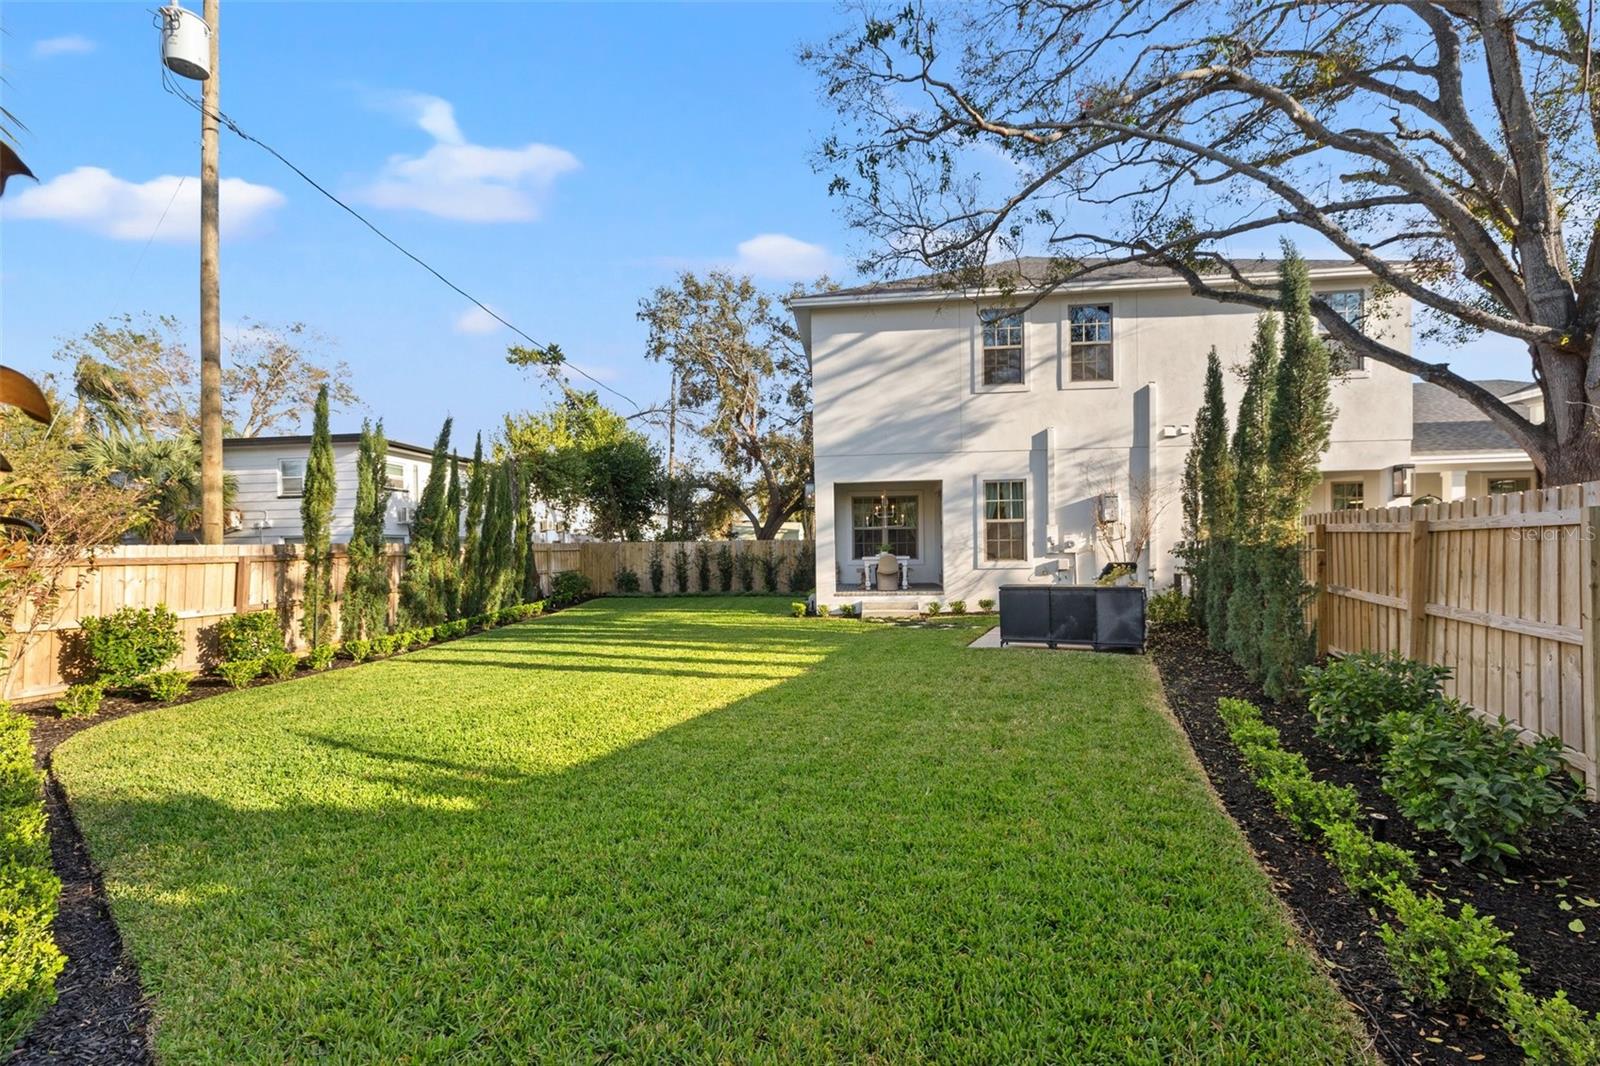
(990, 447)
(269, 471)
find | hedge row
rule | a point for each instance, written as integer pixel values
(29, 958)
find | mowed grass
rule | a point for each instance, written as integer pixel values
(694, 830)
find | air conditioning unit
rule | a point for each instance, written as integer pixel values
(406, 515)
(232, 521)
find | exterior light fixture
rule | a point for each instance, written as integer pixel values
(1402, 479)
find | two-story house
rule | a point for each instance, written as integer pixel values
(988, 445)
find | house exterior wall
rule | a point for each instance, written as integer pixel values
(899, 399)
(272, 518)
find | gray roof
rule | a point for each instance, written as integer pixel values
(1445, 424)
(1031, 271)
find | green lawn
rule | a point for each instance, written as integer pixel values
(694, 830)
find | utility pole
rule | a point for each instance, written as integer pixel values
(210, 311)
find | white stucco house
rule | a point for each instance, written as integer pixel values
(987, 445)
(271, 473)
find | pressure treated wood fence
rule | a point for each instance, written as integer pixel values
(1503, 589)
(202, 585)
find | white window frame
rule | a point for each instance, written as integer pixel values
(1490, 478)
(283, 480)
(1361, 369)
(1064, 370)
(919, 529)
(1334, 483)
(981, 522)
(389, 478)
(978, 349)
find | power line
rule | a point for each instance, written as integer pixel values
(541, 347)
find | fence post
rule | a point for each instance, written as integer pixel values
(241, 584)
(1417, 594)
(1590, 554)
(1321, 549)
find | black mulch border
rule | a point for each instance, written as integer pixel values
(1342, 926)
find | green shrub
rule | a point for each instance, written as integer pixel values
(253, 635)
(240, 672)
(1307, 802)
(934, 607)
(680, 568)
(725, 567)
(124, 646)
(1549, 1030)
(822, 610)
(1168, 608)
(569, 587)
(357, 650)
(744, 568)
(658, 568)
(451, 630)
(422, 636)
(1235, 713)
(82, 700)
(1367, 865)
(320, 657)
(958, 606)
(803, 574)
(702, 569)
(479, 622)
(1351, 697)
(384, 645)
(29, 958)
(797, 609)
(167, 685)
(847, 610)
(1461, 961)
(627, 581)
(770, 566)
(1474, 780)
(507, 615)
(986, 605)
(280, 665)
(1119, 572)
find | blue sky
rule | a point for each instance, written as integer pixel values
(557, 161)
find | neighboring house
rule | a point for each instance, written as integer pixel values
(989, 445)
(271, 473)
(744, 530)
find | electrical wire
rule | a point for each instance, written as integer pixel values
(134, 272)
(543, 348)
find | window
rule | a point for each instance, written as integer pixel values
(291, 477)
(1004, 521)
(395, 476)
(1349, 495)
(879, 520)
(1002, 347)
(1089, 342)
(1510, 484)
(1349, 307)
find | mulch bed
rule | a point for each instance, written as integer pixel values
(1343, 927)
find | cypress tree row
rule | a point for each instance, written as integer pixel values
(450, 545)
(1251, 488)
(422, 597)
(366, 583)
(316, 514)
(1216, 503)
(1299, 425)
(472, 596)
(528, 562)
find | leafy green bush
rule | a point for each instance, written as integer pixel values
(744, 568)
(280, 665)
(240, 672)
(1461, 961)
(797, 609)
(124, 646)
(847, 610)
(822, 610)
(569, 587)
(770, 566)
(725, 567)
(479, 622)
(803, 574)
(451, 630)
(1549, 1030)
(507, 615)
(29, 958)
(1474, 780)
(986, 605)
(253, 635)
(1367, 865)
(627, 581)
(934, 607)
(1307, 802)
(82, 700)
(320, 657)
(1168, 608)
(1351, 697)
(702, 569)
(422, 636)
(680, 567)
(958, 606)
(167, 685)
(357, 650)
(658, 568)
(384, 645)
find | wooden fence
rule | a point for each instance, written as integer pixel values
(205, 584)
(1502, 589)
(600, 562)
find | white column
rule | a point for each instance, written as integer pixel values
(1455, 485)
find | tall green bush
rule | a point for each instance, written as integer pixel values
(429, 568)
(1215, 531)
(124, 646)
(1252, 489)
(725, 567)
(251, 635)
(29, 958)
(316, 515)
(365, 611)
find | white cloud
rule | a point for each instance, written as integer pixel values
(95, 199)
(476, 320)
(781, 257)
(69, 45)
(459, 180)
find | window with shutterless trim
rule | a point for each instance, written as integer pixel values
(1002, 347)
(1005, 512)
(291, 477)
(1089, 354)
(1349, 305)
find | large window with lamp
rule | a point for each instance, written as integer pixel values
(1348, 304)
(1002, 346)
(1089, 355)
(883, 519)
(1005, 513)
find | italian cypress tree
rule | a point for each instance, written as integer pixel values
(1215, 479)
(450, 542)
(1252, 489)
(422, 584)
(471, 561)
(1299, 423)
(366, 583)
(528, 565)
(494, 550)
(316, 515)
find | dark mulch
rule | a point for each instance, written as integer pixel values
(1343, 927)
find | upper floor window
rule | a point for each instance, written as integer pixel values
(1004, 521)
(394, 474)
(879, 520)
(1349, 495)
(1089, 342)
(291, 477)
(1348, 304)
(1002, 347)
